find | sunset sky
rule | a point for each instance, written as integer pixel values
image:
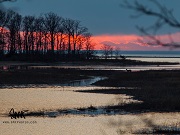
(106, 20)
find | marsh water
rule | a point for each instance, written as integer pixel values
(83, 82)
(85, 111)
(76, 83)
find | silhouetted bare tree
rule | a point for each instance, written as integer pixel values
(107, 50)
(164, 17)
(68, 26)
(51, 23)
(32, 36)
(117, 52)
(14, 26)
(28, 32)
(60, 38)
(39, 27)
(2, 35)
(89, 45)
(77, 31)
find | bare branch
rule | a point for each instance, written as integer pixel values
(7, 0)
(164, 16)
(154, 41)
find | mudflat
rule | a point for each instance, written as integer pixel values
(121, 103)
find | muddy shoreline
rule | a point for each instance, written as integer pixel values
(110, 102)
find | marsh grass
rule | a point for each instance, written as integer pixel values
(39, 76)
(160, 130)
(159, 90)
(47, 76)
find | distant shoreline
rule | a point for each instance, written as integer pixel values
(150, 57)
(96, 62)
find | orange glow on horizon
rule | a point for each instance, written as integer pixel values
(120, 41)
(132, 42)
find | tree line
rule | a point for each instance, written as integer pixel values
(47, 36)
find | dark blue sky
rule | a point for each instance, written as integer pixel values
(105, 19)
(100, 16)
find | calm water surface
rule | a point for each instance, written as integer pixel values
(155, 59)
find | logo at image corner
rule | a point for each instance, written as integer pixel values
(16, 115)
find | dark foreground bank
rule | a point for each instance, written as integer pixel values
(158, 90)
